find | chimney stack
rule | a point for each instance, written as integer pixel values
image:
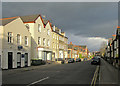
(70, 42)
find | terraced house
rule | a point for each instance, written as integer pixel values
(74, 51)
(55, 44)
(30, 37)
(84, 51)
(15, 46)
(41, 36)
(112, 50)
(59, 44)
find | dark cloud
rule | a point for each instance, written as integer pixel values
(81, 19)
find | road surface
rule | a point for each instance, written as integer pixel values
(73, 73)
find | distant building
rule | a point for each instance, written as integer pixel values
(60, 44)
(112, 50)
(74, 51)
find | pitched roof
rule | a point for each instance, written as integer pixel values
(5, 21)
(76, 48)
(45, 21)
(118, 26)
(29, 18)
(82, 46)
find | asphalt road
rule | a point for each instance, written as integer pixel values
(73, 73)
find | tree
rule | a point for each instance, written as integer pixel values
(80, 55)
(102, 48)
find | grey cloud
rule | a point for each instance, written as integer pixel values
(87, 19)
(61, 1)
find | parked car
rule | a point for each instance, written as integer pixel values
(62, 62)
(78, 60)
(85, 59)
(71, 60)
(36, 62)
(95, 60)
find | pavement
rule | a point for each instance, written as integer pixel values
(108, 75)
(73, 73)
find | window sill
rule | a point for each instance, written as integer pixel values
(26, 45)
(10, 43)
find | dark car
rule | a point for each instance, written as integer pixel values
(78, 60)
(95, 61)
(71, 60)
(85, 59)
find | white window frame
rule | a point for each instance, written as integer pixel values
(48, 32)
(48, 42)
(39, 28)
(44, 41)
(28, 27)
(39, 41)
(57, 37)
(18, 42)
(10, 37)
(26, 41)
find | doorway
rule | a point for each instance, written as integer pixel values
(26, 59)
(18, 60)
(10, 56)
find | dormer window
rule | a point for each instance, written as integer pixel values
(27, 26)
(39, 28)
(53, 28)
(59, 31)
(48, 32)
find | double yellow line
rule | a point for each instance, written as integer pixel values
(95, 76)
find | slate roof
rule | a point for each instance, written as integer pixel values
(45, 21)
(5, 21)
(83, 46)
(57, 31)
(118, 30)
(29, 18)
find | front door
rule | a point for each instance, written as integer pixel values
(45, 57)
(18, 60)
(26, 59)
(53, 57)
(0, 61)
(10, 55)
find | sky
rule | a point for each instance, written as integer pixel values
(85, 23)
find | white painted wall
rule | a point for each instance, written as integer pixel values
(35, 34)
(49, 56)
(16, 27)
(1, 37)
(61, 54)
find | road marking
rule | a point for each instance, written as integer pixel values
(95, 77)
(38, 81)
